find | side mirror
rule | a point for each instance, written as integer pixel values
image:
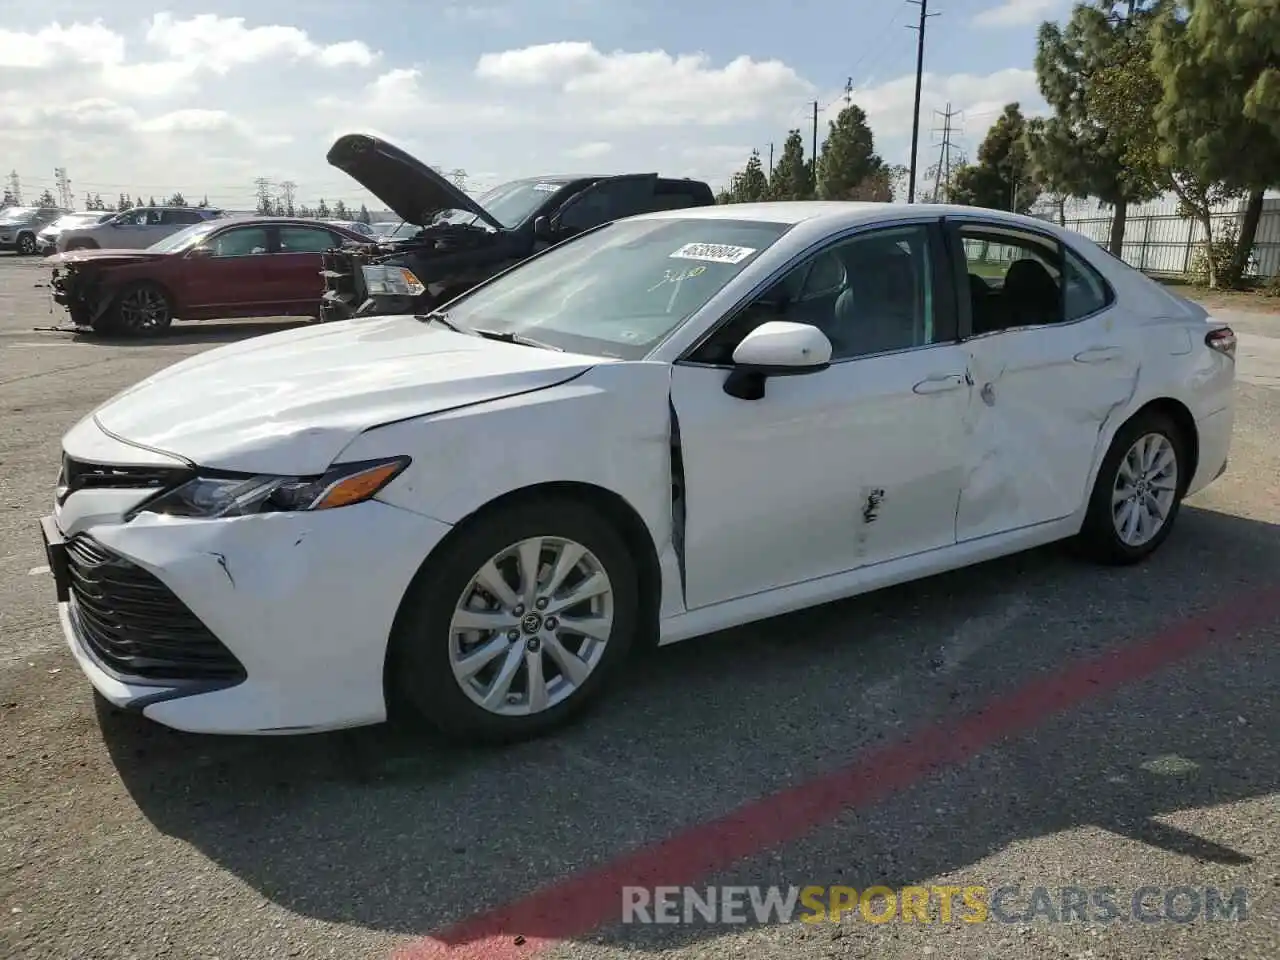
(775, 349)
(197, 253)
(542, 228)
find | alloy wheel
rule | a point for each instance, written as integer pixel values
(144, 308)
(1145, 489)
(531, 626)
(26, 244)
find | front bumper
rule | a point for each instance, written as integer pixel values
(302, 603)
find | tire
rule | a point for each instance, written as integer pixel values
(26, 244)
(426, 642)
(140, 310)
(1102, 536)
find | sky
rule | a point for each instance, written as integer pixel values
(203, 97)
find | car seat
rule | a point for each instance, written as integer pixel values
(1030, 294)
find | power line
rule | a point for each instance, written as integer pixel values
(915, 116)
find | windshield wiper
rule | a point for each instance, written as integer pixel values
(441, 318)
(505, 337)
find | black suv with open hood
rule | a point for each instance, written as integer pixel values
(463, 241)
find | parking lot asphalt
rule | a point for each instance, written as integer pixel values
(1031, 722)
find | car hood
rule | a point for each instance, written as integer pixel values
(105, 257)
(411, 190)
(288, 403)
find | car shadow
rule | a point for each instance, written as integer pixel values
(393, 830)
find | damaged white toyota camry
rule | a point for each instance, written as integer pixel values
(666, 426)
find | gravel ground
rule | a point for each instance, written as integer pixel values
(121, 839)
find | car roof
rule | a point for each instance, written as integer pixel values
(835, 214)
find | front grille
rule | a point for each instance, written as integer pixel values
(135, 625)
(82, 475)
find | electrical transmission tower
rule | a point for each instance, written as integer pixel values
(942, 175)
(15, 188)
(289, 189)
(263, 187)
(459, 178)
(65, 198)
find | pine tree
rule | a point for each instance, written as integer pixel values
(790, 177)
(123, 203)
(46, 199)
(363, 215)
(340, 211)
(755, 184)
(322, 210)
(1219, 114)
(848, 158)
(1002, 178)
(1075, 148)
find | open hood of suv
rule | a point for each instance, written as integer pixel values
(412, 190)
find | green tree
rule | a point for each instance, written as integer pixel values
(1218, 62)
(322, 210)
(8, 200)
(204, 202)
(46, 199)
(177, 200)
(1075, 149)
(848, 158)
(123, 203)
(340, 211)
(363, 215)
(1003, 177)
(790, 179)
(151, 201)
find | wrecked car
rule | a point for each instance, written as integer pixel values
(216, 269)
(672, 425)
(456, 241)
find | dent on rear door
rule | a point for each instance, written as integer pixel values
(1036, 420)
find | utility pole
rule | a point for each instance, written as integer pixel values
(459, 178)
(65, 198)
(848, 92)
(771, 158)
(915, 119)
(813, 157)
(289, 189)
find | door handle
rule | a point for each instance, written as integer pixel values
(1098, 355)
(940, 383)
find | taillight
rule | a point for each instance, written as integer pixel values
(1223, 340)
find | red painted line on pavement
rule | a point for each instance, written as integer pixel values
(578, 904)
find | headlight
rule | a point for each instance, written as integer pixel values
(385, 280)
(241, 495)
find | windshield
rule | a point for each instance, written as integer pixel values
(18, 213)
(619, 290)
(404, 231)
(184, 239)
(75, 220)
(510, 204)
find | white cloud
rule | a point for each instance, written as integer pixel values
(1015, 13)
(221, 43)
(589, 151)
(90, 43)
(652, 88)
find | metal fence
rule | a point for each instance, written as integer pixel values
(1159, 241)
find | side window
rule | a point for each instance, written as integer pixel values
(1084, 291)
(184, 217)
(870, 294)
(1015, 278)
(607, 201)
(243, 242)
(307, 240)
(155, 218)
(134, 218)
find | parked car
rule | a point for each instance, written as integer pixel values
(19, 226)
(47, 239)
(459, 241)
(355, 226)
(252, 267)
(134, 229)
(668, 426)
(384, 227)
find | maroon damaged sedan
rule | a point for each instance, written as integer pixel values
(223, 269)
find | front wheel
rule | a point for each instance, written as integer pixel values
(26, 244)
(1138, 492)
(141, 309)
(519, 624)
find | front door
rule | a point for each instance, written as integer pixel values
(1050, 365)
(229, 276)
(856, 464)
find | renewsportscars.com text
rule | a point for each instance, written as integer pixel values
(938, 904)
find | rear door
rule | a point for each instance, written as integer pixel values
(293, 268)
(231, 278)
(610, 199)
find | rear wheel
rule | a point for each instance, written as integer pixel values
(140, 310)
(519, 624)
(1138, 493)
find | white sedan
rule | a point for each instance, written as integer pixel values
(670, 425)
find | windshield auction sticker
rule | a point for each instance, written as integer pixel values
(546, 187)
(713, 253)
